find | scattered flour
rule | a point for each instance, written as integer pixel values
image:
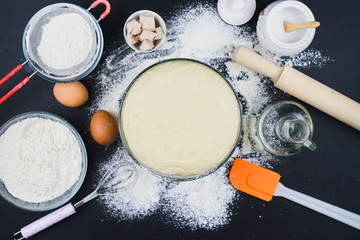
(39, 159)
(203, 203)
(65, 41)
(193, 32)
(139, 201)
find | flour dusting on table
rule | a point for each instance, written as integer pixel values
(193, 32)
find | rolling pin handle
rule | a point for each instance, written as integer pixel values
(254, 61)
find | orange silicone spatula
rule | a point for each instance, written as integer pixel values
(264, 184)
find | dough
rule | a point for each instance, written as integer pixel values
(180, 118)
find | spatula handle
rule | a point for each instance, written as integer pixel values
(327, 209)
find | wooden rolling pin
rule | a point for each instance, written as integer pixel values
(302, 87)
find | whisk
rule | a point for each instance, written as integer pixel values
(116, 178)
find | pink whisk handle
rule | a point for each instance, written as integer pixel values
(48, 220)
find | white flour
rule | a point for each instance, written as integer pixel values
(39, 159)
(193, 32)
(65, 42)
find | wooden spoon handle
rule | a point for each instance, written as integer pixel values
(291, 27)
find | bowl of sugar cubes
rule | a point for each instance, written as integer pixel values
(144, 31)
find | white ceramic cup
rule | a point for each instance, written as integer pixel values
(236, 12)
(271, 32)
(159, 22)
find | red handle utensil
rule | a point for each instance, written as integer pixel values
(10, 74)
(107, 10)
(18, 86)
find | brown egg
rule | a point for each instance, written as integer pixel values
(72, 94)
(103, 128)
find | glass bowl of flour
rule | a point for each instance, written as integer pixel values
(43, 161)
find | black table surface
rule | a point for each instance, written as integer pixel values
(331, 173)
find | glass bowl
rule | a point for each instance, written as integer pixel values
(66, 196)
(170, 177)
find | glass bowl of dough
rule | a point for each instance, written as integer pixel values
(180, 119)
(43, 161)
